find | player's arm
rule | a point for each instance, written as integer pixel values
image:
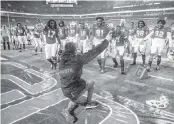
(25, 33)
(92, 36)
(149, 35)
(169, 37)
(91, 54)
(57, 37)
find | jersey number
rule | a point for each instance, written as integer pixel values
(20, 31)
(72, 31)
(51, 34)
(159, 33)
(99, 32)
(83, 33)
(140, 33)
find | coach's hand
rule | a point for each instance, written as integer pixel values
(109, 36)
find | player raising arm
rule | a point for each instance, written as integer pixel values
(160, 34)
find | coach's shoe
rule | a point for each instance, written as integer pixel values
(69, 115)
(91, 105)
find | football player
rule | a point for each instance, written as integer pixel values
(140, 33)
(72, 33)
(21, 34)
(5, 37)
(62, 34)
(131, 37)
(83, 36)
(118, 47)
(52, 39)
(160, 34)
(38, 35)
(28, 34)
(170, 54)
(99, 33)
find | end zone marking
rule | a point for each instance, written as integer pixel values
(47, 83)
(31, 106)
(165, 90)
(11, 96)
(135, 83)
(111, 102)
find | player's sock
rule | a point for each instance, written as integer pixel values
(99, 62)
(143, 58)
(24, 46)
(4, 46)
(8, 44)
(35, 50)
(134, 58)
(115, 62)
(158, 60)
(150, 63)
(103, 61)
(122, 65)
(51, 61)
(20, 48)
(54, 62)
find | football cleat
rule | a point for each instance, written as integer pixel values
(134, 63)
(102, 71)
(148, 68)
(157, 67)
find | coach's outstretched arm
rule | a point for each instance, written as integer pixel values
(91, 54)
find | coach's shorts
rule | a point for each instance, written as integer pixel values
(76, 90)
(157, 46)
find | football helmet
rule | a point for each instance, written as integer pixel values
(170, 55)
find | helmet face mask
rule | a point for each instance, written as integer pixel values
(99, 22)
(19, 25)
(72, 24)
(61, 24)
(118, 29)
(52, 24)
(141, 24)
(161, 23)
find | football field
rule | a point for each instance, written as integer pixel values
(31, 94)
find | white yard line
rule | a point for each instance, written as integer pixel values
(162, 78)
